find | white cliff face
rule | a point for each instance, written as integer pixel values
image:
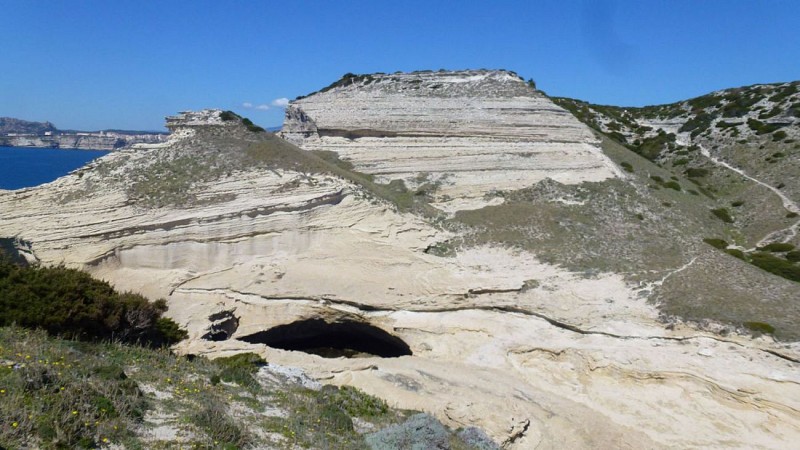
(538, 356)
(504, 136)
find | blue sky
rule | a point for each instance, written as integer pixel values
(127, 64)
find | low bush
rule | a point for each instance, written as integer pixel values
(673, 185)
(227, 116)
(626, 166)
(716, 243)
(238, 369)
(793, 256)
(355, 402)
(777, 247)
(735, 252)
(723, 214)
(737, 203)
(759, 328)
(695, 172)
(72, 304)
(776, 265)
(251, 126)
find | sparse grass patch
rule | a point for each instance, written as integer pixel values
(759, 328)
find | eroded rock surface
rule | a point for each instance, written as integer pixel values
(245, 234)
(468, 133)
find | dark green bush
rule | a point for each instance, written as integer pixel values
(735, 252)
(626, 166)
(791, 215)
(775, 265)
(673, 185)
(227, 116)
(696, 172)
(777, 247)
(737, 203)
(716, 243)
(779, 135)
(251, 126)
(723, 214)
(697, 124)
(70, 303)
(793, 256)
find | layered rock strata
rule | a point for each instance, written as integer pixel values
(245, 234)
(468, 133)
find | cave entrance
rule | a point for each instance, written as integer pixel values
(331, 340)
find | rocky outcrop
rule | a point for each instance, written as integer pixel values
(12, 125)
(260, 246)
(467, 133)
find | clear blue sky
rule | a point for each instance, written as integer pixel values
(127, 64)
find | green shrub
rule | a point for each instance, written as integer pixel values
(779, 135)
(793, 256)
(696, 172)
(697, 124)
(72, 304)
(775, 265)
(791, 215)
(673, 185)
(777, 247)
(735, 252)
(251, 126)
(723, 214)
(355, 402)
(737, 203)
(227, 116)
(681, 162)
(238, 369)
(626, 166)
(759, 328)
(716, 243)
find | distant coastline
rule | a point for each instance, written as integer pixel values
(102, 140)
(23, 133)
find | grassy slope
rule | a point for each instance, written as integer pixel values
(67, 394)
(719, 286)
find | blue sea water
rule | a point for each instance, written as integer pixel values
(22, 167)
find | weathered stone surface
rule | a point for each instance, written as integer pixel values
(469, 132)
(538, 356)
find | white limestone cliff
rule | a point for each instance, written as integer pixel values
(538, 356)
(432, 127)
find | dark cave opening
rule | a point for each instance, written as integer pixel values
(331, 340)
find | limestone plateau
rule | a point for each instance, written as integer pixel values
(458, 243)
(23, 133)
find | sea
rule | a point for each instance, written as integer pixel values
(22, 167)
